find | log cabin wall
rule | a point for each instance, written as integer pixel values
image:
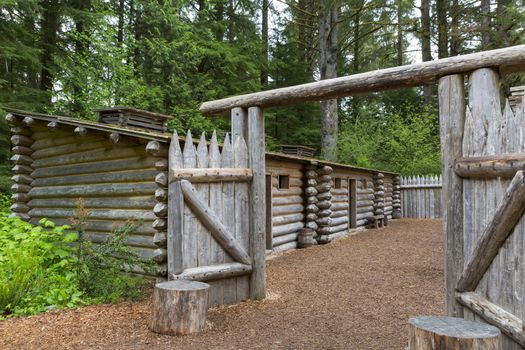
(117, 178)
(365, 199)
(340, 216)
(389, 191)
(287, 210)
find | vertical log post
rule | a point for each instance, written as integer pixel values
(396, 197)
(452, 120)
(256, 158)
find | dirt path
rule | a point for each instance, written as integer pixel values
(355, 293)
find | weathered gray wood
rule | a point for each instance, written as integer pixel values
(101, 190)
(208, 175)
(115, 137)
(175, 220)
(80, 131)
(20, 197)
(452, 116)
(441, 332)
(124, 202)
(88, 156)
(22, 179)
(161, 195)
(493, 314)
(505, 218)
(291, 237)
(179, 307)
(21, 140)
(160, 224)
(256, 156)
(22, 150)
(13, 119)
(20, 208)
(162, 164)
(161, 179)
(501, 165)
(286, 229)
(20, 188)
(203, 191)
(161, 210)
(379, 80)
(20, 159)
(115, 214)
(28, 121)
(157, 149)
(241, 221)
(229, 211)
(89, 144)
(212, 222)
(189, 243)
(105, 177)
(96, 166)
(239, 119)
(214, 272)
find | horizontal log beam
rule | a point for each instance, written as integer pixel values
(505, 218)
(214, 272)
(211, 174)
(507, 59)
(493, 314)
(501, 165)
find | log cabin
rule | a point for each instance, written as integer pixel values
(118, 165)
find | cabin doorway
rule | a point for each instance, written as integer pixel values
(352, 203)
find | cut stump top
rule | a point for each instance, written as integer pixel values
(182, 285)
(454, 327)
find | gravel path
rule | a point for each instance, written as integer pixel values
(355, 293)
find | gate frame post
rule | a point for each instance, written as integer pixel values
(452, 120)
(250, 124)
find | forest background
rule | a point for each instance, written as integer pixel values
(68, 57)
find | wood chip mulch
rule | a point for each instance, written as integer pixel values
(354, 293)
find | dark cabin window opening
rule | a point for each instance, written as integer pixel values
(283, 182)
(337, 183)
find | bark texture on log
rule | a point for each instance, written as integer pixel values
(442, 332)
(179, 307)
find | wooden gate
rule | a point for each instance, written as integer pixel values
(483, 149)
(214, 231)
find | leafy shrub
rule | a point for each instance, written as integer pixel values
(35, 267)
(5, 202)
(104, 270)
(48, 266)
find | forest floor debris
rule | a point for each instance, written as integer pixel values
(354, 293)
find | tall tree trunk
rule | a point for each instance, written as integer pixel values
(356, 54)
(264, 43)
(328, 35)
(442, 9)
(48, 43)
(455, 33)
(120, 28)
(485, 24)
(426, 52)
(399, 43)
(81, 50)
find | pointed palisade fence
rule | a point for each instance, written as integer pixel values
(421, 196)
(209, 222)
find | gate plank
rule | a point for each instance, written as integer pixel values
(214, 272)
(213, 223)
(176, 211)
(505, 218)
(189, 242)
(242, 221)
(216, 254)
(493, 314)
(228, 215)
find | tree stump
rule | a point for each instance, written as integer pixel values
(179, 307)
(441, 332)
